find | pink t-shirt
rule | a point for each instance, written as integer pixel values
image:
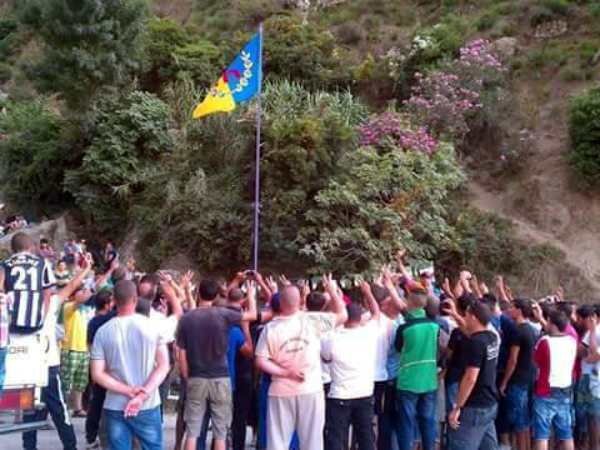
(295, 342)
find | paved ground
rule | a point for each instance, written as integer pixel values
(48, 440)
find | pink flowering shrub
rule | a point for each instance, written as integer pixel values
(447, 100)
(390, 129)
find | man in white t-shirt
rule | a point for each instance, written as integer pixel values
(130, 360)
(52, 394)
(289, 349)
(351, 351)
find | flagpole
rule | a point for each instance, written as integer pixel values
(257, 181)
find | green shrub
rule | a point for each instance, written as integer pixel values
(559, 7)
(587, 51)
(5, 72)
(584, 131)
(571, 74)
(515, 64)
(8, 26)
(510, 29)
(595, 10)
(349, 33)
(33, 157)
(486, 21)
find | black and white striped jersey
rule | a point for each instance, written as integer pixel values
(25, 278)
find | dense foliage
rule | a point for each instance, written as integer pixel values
(34, 157)
(584, 129)
(88, 44)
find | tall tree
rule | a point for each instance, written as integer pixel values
(88, 44)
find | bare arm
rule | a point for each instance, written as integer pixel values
(365, 288)
(251, 314)
(183, 364)
(511, 365)
(102, 279)
(171, 294)
(247, 349)
(161, 369)
(398, 303)
(263, 285)
(271, 367)
(68, 290)
(101, 376)
(337, 302)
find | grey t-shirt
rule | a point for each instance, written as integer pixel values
(204, 335)
(128, 347)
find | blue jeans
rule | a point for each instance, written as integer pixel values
(146, 427)
(553, 410)
(52, 396)
(412, 411)
(477, 430)
(518, 408)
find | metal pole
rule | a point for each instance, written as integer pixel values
(257, 181)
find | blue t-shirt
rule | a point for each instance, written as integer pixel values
(236, 341)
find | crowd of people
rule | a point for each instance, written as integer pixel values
(397, 362)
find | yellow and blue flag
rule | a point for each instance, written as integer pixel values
(240, 82)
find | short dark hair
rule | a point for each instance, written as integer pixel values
(490, 300)
(209, 289)
(235, 295)
(143, 307)
(523, 305)
(150, 278)
(102, 299)
(464, 302)
(559, 319)
(481, 312)
(566, 308)
(44, 241)
(21, 242)
(586, 311)
(315, 301)
(125, 292)
(354, 312)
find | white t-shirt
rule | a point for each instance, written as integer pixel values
(166, 326)
(128, 347)
(593, 370)
(295, 342)
(352, 352)
(49, 331)
(385, 328)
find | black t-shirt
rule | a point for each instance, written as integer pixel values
(481, 350)
(96, 323)
(454, 366)
(204, 335)
(524, 338)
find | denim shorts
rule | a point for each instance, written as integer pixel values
(554, 410)
(517, 407)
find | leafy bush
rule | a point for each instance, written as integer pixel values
(160, 39)
(584, 131)
(33, 156)
(587, 51)
(559, 7)
(379, 202)
(304, 53)
(88, 44)
(126, 133)
(571, 74)
(486, 21)
(5, 72)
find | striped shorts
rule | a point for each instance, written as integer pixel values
(74, 370)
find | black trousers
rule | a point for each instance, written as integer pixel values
(52, 396)
(92, 421)
(242, 402)
(342, 413)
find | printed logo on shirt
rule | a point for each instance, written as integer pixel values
(294, 345)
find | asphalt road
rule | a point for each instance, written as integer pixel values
(48, 440)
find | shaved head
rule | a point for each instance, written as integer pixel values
(21, 242)
(125, 293)
(290, 298)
